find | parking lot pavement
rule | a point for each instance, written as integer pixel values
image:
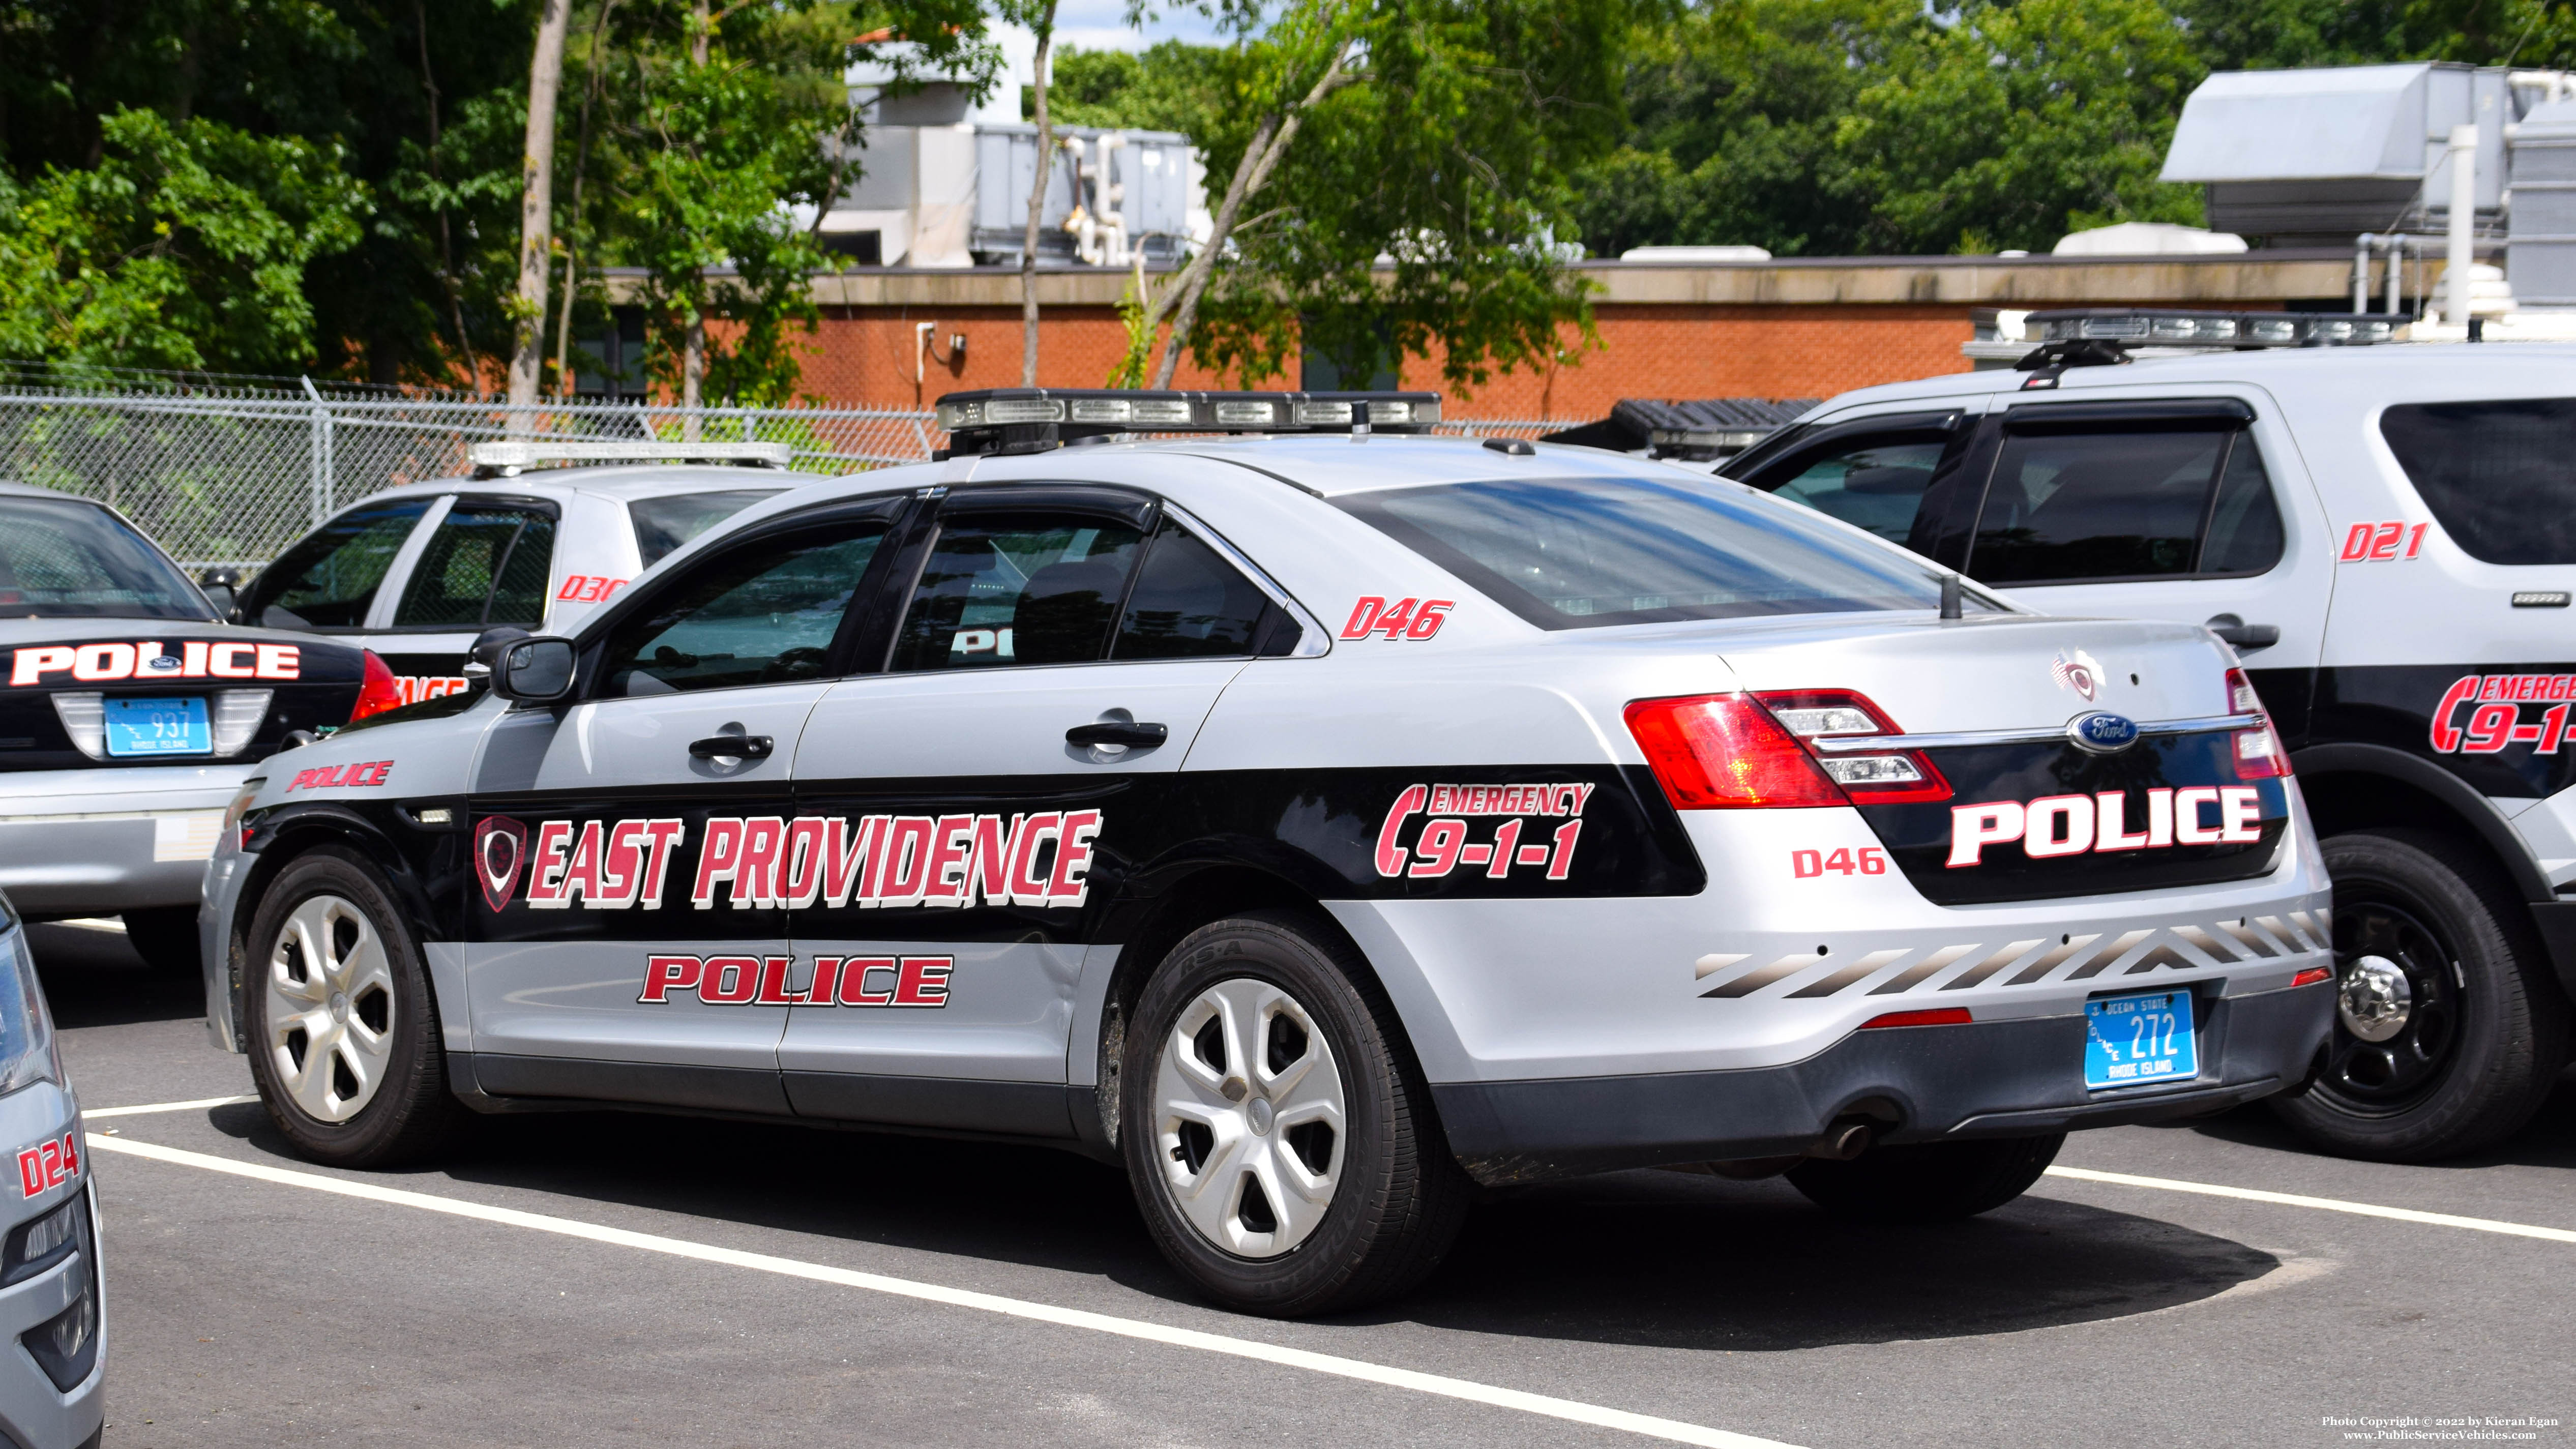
(654, 1280)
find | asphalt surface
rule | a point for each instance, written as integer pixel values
(254, 1312)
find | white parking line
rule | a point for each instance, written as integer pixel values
(1672, 1430)
(2327, 1204)
(150, 1107)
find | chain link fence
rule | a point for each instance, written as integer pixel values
(230, 471)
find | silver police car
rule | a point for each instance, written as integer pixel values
(1316, 823)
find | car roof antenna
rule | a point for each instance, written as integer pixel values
(1950, 596)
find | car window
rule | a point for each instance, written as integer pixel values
(1188, 603)
(764, 613)
(485, 564)
(73, 560)
(2495, 474)
(2083, 507)
(1575, 553)
(663, 524)
(1878, 487)
(328, 579)
(1020, 588)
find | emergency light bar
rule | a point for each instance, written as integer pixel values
(503, 459)
(1033, 419)
(2157, 327)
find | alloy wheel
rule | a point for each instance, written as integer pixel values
(330, 1007)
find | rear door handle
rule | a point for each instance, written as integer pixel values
(2243, 635)
(733, 747)
(1112, 732)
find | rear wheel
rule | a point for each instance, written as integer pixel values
(166, 938)
(344, 1039)
(1275, 1126)
(1930, 1182)
(2449, 1031)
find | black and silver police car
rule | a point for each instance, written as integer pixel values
(1314, 822)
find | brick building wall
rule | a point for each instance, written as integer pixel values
(1784, 329)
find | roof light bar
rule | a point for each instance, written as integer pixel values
(503, 459)
(1034, 419)
(2160, 327)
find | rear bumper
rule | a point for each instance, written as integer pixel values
(97, 842)
(1988, 1079)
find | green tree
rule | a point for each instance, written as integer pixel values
(2021, 122)
(1434, 134)
(183, 247)
(1172, 86)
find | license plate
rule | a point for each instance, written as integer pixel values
(2133, 1040)
(158, 727)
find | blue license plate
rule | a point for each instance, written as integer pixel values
(158, 727)
(2133, 1040)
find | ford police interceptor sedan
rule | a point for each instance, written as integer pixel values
(1317, 823)
(129, 714)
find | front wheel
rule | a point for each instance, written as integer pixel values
(2449, 1029)
(344, 1039)
(1276, 1129)
(1928, 1182)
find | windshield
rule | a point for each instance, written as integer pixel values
(75, 560)
(663, 524)
(1578, 553)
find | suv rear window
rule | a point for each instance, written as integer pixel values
(1581, 553)
(2495, 474)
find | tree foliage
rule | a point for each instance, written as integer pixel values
(183, 247)
(1814, 127)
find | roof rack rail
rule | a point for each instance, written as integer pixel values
(1000, 420)
(504, 460)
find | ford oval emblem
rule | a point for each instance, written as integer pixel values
(2102, 732)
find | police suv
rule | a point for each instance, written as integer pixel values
(2387, 535)
(417, 571)
(1317, 823)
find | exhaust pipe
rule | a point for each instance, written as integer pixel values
(1841, 1143)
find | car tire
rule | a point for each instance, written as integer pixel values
(2484, 1028)
(342, 1024)
(1928, 1182)
(166, 939)
(1260, 1209)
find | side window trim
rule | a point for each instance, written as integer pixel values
(2229, 415)
(397, 579)
(1313, 640)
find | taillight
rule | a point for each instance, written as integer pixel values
(379, 693)
(1842, 717)
(2312, 976)
(2258, 751)
(1726, 752)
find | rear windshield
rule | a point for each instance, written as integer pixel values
(663, 524)
(74, 560)
(1577, 553)
(2495, 474)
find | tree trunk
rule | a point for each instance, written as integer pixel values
(1260, 158)
(564, 376)
(693, 376)
(1037, 204)
(536, 213)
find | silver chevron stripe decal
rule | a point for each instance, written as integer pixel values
(1866, 966)
(1754, 980)
(1922, 971)
(2110, 953)
(2063, 952)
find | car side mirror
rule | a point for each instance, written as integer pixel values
(222, 588)
(535, 671)
(485, 652)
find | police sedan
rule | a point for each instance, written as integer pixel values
(1316, 818)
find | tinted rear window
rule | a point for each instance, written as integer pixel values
(75, 561)
(2497, 475)
(663, 524)
(1576, 553)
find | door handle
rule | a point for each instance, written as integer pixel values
(732, 747)
(1113, 732)
(2243, 635)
